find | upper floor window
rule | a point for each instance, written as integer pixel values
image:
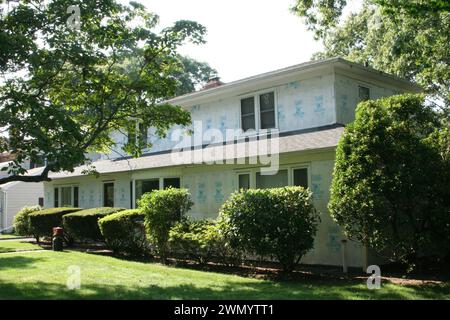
(258, 112)
(248, 113)
(364, 93)
(267, 110)
(138, 132)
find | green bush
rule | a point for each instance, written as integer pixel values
(83, 225)
(278, 223)
(162, 209)
(391, 180)
(22, 222)
(124, 232)
(190, 239)
(202, 241)
(42, 222)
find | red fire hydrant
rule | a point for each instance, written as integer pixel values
(57, 240)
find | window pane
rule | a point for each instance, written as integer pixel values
(267, 101)
(272, 181)
(144, 186)
(301, 177)
(364, 93)
(56, 198)
(75, 196)
(171, 182)
(244, 181)
(143, 133)
(248, 106)
(66, 196)
(268, 119)
(248, 122)
(108, 194)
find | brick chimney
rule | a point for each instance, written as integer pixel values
(212, 83)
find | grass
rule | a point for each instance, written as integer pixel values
(12, 246)
(9, 236)
(43, 275)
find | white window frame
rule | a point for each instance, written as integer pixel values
(72, 194)
(256, 96)
(290, 173)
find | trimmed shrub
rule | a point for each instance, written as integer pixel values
(42, 222)
(22, 222)
(202, 241)
(124, 232)
(278, 223)
(190, 239)
(83, 225)
(162, 209)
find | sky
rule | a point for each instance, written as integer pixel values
(245, 37)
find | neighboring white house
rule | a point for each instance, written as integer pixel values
(304, 106)
(17, 194)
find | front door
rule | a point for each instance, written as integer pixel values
(108, 194)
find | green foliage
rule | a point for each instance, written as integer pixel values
(162, 209)
(391, 181)
(21, 221)
(407, 38)
(42, 222)
(202, 241)
(124, 232)
(279, 223)
(65, 90)
(192, 75)
(83, 225)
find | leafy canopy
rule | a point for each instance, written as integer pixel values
(409, 38)
(391, 181)
(63, 90)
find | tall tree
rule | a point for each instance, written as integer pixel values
(409, 38)
(66, 85)
(391, 181)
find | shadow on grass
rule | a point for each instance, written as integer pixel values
(18, 262)
(242, 290)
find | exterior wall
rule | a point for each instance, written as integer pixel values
(347, 95)
(300, 104)
(19, 195)
(211, 185)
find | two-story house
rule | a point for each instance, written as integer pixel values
(304, 108)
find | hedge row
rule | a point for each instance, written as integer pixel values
(124, 232)
(42, 222)
(83, 225)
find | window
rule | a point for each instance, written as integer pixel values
(144, 186)
(248, 113)
(66, 196)
(272, 181)
(41, 201)
(143, 134)
(267, 110)
(300, 177)
(244, 181)
(264, 107)
(108, 194)
(75, 196)
(171, 182)
(364, 93)
(56, 198)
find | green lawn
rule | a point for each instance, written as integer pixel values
(17, 245)
(43, 275)
(9, 236)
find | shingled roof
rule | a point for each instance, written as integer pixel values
(312, 139)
